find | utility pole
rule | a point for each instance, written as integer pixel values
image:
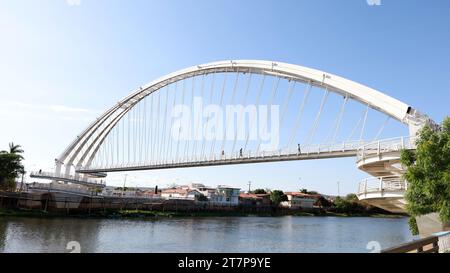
(21, 183)
(124, 181)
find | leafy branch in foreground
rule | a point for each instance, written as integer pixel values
(428, 174)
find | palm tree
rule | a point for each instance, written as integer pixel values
(11, 166)
(15, 149)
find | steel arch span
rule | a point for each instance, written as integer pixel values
(81, 153)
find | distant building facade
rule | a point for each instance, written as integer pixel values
(226, 195)
(297, 200)
(252, 200)
(180, 193)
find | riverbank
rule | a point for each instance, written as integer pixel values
(145, 214)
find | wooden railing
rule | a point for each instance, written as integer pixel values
(427, 245)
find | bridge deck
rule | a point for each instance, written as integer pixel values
(228, 161)
(69, 178)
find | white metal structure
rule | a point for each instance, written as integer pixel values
(379, 158)
(81, 152)
(85, 181)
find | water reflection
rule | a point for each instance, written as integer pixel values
(47, 235)
(221, 234)
(3, 227)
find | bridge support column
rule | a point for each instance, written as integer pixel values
(57, 167)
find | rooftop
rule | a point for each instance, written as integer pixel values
(253, 196)
(304, 195)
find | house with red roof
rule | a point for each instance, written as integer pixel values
(251, 199)
(298, 200)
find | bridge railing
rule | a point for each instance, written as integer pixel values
(444, 241)
(426, 245)
(78, 189)
(76, 179)
(385, 146)
(380, 184)
(303, 150)
(437, 243)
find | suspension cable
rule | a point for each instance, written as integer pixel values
(232, 102)
(337, 125)
(111, 137)
(123, 138)
(158, 116)
(364, 124)
(317, 120)
(300, 114)
(106, 145)
(190, 120)
(150, 127)
(257, 105)
(170, 136)
(287, 100)
(213, 146)
(358, 124)
(142, 130)
(134, 133)
(118, 142)
(163, 131)
(145, 131)
(382, 128)
(128, 140)
(274, 94)
(211, 93)
(199, 119)
(249, 80)
(179, 128)
(138, 137)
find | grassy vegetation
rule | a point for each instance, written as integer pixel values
(144, 214)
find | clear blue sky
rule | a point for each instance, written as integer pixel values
(61, 65)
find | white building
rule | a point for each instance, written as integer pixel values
(180, 193)
(222, 195)
(298, 200)
(226, 195)
(206, 191)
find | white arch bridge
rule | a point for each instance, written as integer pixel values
(237, 112)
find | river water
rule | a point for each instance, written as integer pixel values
(216, 234)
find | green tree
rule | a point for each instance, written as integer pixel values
(277, 197)
(348, 205)
(15, 149)
(259, 191)
(10, 167)
(305, 191)
(428, 173)
(351, 197)
(323, 202)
